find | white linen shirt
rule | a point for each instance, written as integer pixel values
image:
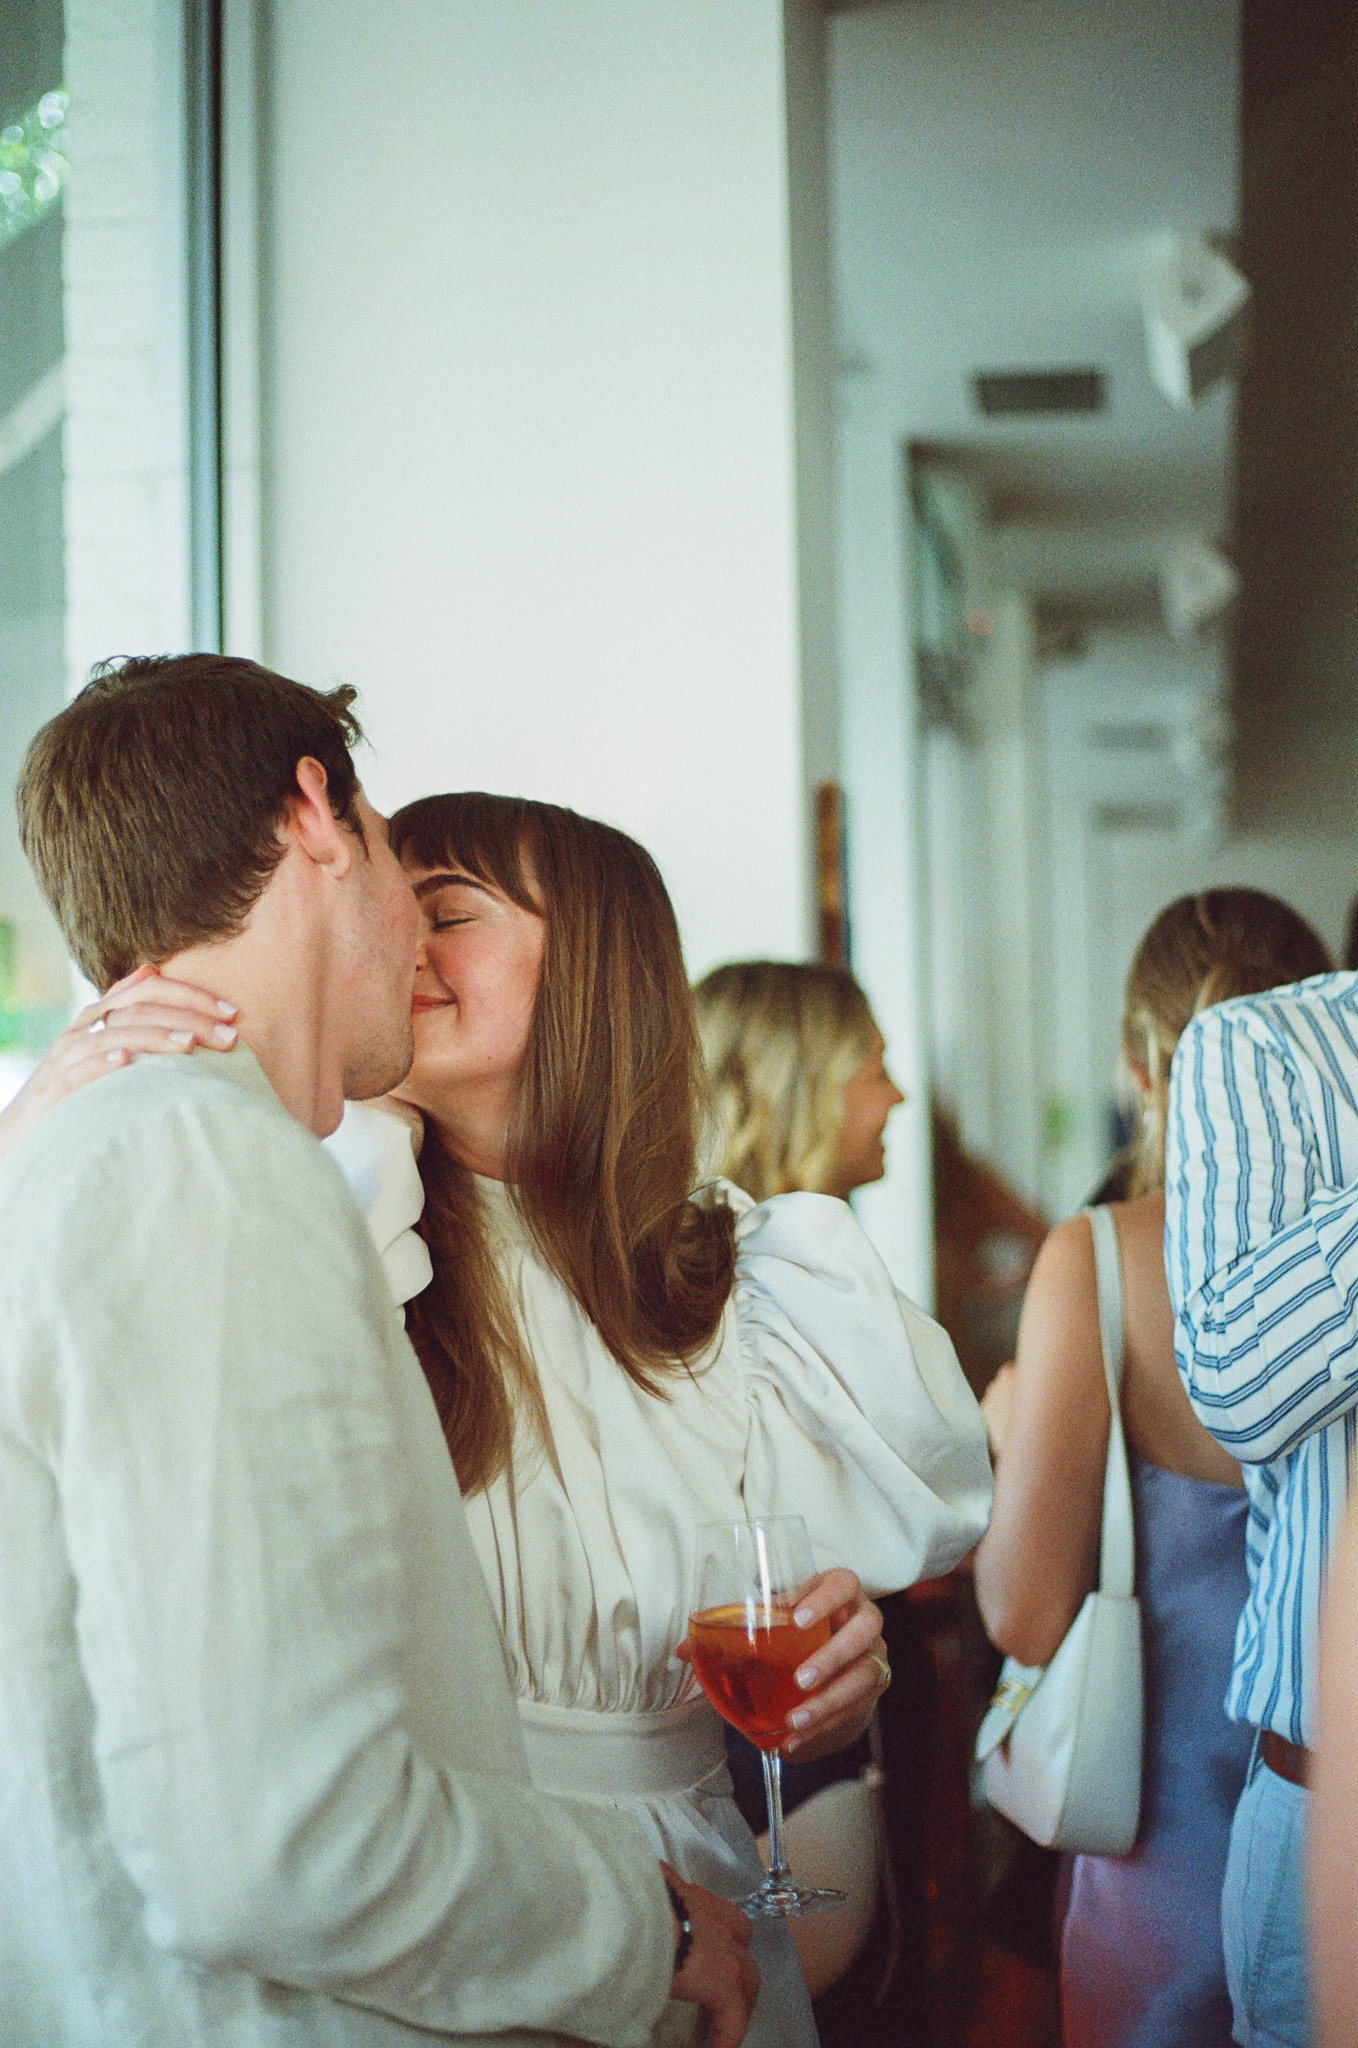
(261, 1779)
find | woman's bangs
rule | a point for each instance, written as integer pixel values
(485, 836)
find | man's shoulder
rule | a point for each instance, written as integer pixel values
(144, 1125)
(169, 1184)
(1296, 1020)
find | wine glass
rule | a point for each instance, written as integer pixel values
(745, 1645)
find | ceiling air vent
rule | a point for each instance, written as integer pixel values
(1144, 738)
(1136, 817)
(1011, 394)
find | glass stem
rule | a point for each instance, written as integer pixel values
(773, 1794)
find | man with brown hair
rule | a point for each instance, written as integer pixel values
(260, 1769)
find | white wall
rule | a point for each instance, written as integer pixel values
(126, 440)
(988, 979)
(880, 742)
(960, 928)
(814, 383)
(529, 417)
(1102, 809)
(1124, 834)
(1003, 697)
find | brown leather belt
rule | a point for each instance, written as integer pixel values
(1290, 1760)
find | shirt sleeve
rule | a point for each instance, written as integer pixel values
(859, 1417)
(1261, 1254)
(227, 1441)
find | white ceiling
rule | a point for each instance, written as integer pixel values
(1002, 173)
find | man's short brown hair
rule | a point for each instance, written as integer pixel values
(150, 807)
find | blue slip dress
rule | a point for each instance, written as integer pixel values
(1141, 1955)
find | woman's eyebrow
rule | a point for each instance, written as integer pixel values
(431, 883)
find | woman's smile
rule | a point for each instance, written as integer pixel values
(480, 959)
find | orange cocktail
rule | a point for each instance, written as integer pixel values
(746, 1660)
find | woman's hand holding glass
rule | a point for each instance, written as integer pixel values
(755, 1591)
(844, 1679)
(142, 1013)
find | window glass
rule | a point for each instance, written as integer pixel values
(97, 161)
(35, 983)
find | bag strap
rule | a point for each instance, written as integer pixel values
(1117, 1550)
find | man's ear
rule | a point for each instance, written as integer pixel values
(312, 827)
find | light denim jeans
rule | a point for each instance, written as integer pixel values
(1263, 1913)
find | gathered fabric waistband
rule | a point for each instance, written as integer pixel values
(597, 1754)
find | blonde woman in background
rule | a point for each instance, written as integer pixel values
(1141, 1951)
(800, 1102)
(801, 1094)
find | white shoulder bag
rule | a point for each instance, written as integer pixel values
(1060, 1748)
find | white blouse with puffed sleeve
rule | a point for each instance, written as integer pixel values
(824, 1394)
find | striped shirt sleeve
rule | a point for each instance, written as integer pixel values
(1261, 1254)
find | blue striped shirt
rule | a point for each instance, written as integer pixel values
(1261, 1242)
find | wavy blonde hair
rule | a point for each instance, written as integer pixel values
(1202, 950)
(781, 1038)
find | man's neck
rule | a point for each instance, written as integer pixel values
(279, 993)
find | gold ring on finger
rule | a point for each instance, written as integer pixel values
(879, 1658)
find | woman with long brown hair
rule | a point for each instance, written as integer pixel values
(1141, 1952)
(617, 1355)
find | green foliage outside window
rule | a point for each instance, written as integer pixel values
(33, 165)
